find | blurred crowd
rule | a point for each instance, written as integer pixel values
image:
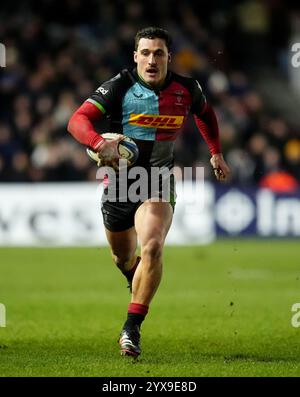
(59, 52)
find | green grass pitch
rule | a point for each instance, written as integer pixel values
(221, 310)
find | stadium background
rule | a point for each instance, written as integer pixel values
(57, 53)
(240, 51)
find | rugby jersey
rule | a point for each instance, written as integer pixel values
(152, 117)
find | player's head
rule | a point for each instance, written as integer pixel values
(152, 54)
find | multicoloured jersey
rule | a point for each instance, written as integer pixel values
(153, 118)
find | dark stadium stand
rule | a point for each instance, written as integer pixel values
(59, 52)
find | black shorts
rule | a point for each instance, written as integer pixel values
(119, 216)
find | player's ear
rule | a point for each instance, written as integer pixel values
(169, 57)
(135, 56)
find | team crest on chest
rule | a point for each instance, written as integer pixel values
(179, 97)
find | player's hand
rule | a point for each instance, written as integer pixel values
(108, 152)
(221, 169)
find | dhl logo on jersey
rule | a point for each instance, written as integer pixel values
(156, 121)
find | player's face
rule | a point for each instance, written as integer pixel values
(152, 58)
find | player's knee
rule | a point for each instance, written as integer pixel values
(152, 250)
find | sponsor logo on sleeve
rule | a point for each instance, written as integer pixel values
(102, 90)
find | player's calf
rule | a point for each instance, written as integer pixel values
(127, 267)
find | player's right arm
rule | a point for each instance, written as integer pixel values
(81, 125)
(206, 121)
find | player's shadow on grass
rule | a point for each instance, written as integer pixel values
(162, 354)
(200, 357)
(259, 358)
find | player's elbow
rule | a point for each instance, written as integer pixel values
(71, 127)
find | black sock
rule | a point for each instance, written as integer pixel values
(134, 319)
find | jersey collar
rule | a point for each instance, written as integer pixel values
(142, 82)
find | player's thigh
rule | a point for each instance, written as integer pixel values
(123, 244)
(153, 221)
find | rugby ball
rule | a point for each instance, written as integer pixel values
(127, 148)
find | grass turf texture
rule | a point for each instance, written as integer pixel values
(221, 310)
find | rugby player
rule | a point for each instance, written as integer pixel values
(149, 104)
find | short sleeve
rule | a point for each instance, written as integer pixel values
(106, 96)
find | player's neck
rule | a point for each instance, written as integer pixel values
(151, 86)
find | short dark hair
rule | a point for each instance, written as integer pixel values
(153, 33)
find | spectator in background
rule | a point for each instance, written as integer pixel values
(57, 48)
(279, 182)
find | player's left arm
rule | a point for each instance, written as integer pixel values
(206, 121)
(81, 123)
